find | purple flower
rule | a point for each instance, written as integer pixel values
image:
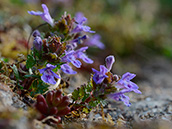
(36, 33)
(80, 28)
(120, 97)
(127, 86)
(95, 41)
(44, 15)
(73, 44)
(109, 62)
(67, 69)
(81, 20)
(81, 55)
(37, 43)
(125, 83)
(48, 75)
(72, 56)
(99, 76)
(79, 39)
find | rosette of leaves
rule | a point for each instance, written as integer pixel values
(52, 107)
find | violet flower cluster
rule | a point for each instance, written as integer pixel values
(124, 85)
(71, 55)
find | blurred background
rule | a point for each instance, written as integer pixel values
(137, 32)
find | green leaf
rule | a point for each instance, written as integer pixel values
(75, 95)
(85, 97)
(81, 91)
(89, 87)
(94, 103)
(32, 75)
(86, 110)
(30, 61)
(1, 65)
(38, 87)
(6, 60)
(15, 70)
(37, 53)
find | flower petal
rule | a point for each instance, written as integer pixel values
(51, 80)
(42, 70)
(98, 77)
(103, 69)
(38, 13)
(50, 66)
(37, 43)
(67, 69)
(55, 75)
(125, 99)
(95, 41)
(76, 63)
(109, 62)
(45, 8)
(85, 58)
(94, 70)
(45, 78)
(80, 28)
(80, 19)
(128, 76)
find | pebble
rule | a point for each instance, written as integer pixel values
(169, 109)
(151, 114)
(148, 99)
(97, 116)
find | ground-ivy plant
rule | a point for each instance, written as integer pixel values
(61, 49)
